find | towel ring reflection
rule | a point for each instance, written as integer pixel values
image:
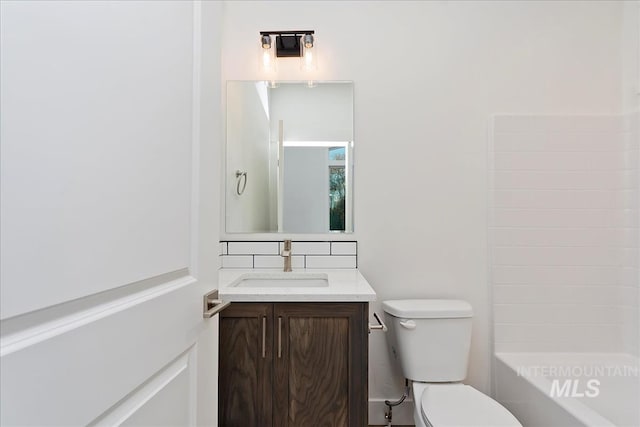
(239, 175)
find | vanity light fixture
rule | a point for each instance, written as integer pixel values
(288, 44)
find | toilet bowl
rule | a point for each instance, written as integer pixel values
(430, 339)
(457, 405)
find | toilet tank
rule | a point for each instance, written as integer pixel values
(430, 338)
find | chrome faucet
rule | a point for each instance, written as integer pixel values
(286, 254)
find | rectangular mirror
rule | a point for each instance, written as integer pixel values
(289, 157)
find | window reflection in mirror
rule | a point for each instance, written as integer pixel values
(295, 144)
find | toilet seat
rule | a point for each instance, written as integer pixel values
(449, 405)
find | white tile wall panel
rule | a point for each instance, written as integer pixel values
(561, 180)
(584, 295)
(602, 337)
(628, 276)
(563, 231)
(560, 218)
(562, 237)
(631, 159)
(565, 124)
(630, 180)
(630, 218)
(563, 256)
(555, 275)
(561, 161)
(546, 313)
(630, 257)
(629, 198)
(556, 199)
(628, 296)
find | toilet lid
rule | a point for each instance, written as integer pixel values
(462, 405)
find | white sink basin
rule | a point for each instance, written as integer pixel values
(281, 280)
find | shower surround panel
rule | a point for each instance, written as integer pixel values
(563, 233)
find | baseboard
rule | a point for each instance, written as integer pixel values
(402, 414)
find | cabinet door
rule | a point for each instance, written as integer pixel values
(320, 360)
(246, 365)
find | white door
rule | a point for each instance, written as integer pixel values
(109, 220)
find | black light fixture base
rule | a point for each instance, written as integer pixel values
(288, 47)
(288, 42)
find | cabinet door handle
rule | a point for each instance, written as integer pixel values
(264, 336)
(279, 337)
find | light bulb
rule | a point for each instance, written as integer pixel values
(309, 60)
(267, 55)
(267, 61)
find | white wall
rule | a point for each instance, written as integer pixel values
(427, 77)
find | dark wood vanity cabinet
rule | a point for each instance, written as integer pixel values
(293, 365)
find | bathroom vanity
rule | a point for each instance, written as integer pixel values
(294, 355)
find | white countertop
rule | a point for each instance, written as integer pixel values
(345, 285)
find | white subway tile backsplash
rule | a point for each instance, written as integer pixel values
(276, 261)
(305, 254)
(343, 248)
(335, 261)
(246, 248)
(311, 248)
(237, 261)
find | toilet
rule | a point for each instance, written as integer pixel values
(430, 339)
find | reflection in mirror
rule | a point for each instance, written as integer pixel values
(289, 165)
